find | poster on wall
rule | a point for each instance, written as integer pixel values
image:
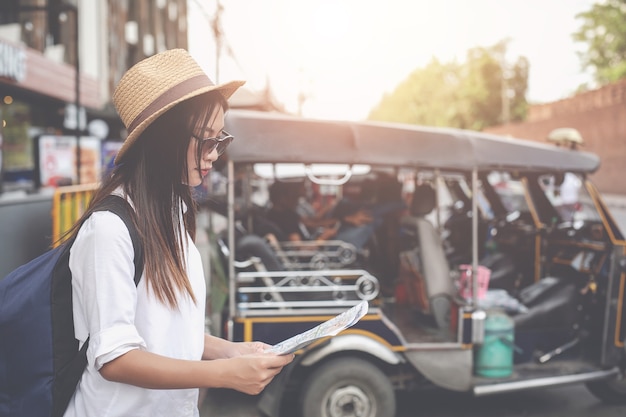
(56, 160)
(109, 152)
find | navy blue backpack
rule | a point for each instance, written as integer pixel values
(40, 363)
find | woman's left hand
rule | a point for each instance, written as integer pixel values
(218, 348)
(246, 348)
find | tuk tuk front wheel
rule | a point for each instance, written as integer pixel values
(611, 391)
(348, 387)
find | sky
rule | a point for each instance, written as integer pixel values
(342, 56)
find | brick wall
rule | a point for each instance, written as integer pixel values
(599, 116)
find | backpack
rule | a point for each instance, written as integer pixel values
(40, 363)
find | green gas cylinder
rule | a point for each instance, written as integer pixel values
(494, 358)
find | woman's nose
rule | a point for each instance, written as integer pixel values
(210, 156)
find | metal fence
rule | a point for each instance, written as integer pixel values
(68, 204)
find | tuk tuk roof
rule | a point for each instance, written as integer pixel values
(274, 138)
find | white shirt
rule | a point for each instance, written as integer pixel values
(120, 317)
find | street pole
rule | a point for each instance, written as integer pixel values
(77, 92)
(217, 33)
(504, 91)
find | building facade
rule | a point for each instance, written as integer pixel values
(42, 45)
(45, 44)
(600, 117)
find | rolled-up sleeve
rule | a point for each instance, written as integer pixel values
(112, 343)
(103, 289)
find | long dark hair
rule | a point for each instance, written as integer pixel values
(154, 174)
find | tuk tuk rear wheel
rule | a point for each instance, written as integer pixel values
(611, 391)
(347, 387)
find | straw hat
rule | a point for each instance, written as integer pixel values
(155, 85)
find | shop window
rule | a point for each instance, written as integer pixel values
(17, 146)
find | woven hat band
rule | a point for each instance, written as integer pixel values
(182, 89)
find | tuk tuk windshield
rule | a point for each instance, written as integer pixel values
(510, 191)
(568, 196)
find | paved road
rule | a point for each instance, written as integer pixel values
(570, 401)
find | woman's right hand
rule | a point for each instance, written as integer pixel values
(250, 374)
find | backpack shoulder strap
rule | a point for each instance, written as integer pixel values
(68, 366)
(122, 208)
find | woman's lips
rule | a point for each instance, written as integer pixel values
(204, 172)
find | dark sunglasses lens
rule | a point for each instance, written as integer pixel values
(208, 145)
(221, 146)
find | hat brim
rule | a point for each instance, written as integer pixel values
(226, 90)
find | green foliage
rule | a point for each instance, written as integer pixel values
(603, 30)
(466, 95)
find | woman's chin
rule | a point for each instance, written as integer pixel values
(193, 181)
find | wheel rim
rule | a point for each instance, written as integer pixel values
(348, 401)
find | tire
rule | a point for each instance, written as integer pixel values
(611, 391)
(347, 387)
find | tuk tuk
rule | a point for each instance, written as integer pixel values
(501, 270)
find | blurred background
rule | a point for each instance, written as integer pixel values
(519, 68)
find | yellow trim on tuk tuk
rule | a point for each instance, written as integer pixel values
(373, 336)
(538, 225)
(248, 324)
(247, 330)
(296, 319)
(602, 209)
(620, 311)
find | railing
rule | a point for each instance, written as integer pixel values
(280, 292)
(315, 255)
(68, 204)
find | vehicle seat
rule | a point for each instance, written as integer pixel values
(254, 253)
(554, 321)
(438, 283)
(306, 254)
(253, 246)
(551, 303)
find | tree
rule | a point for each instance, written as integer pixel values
(604, 32)
(427, 96)
(484, 91)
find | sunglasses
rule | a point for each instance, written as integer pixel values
(208, 145)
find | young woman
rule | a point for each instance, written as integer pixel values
(148, 353)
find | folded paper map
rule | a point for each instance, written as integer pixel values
(329, 328)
